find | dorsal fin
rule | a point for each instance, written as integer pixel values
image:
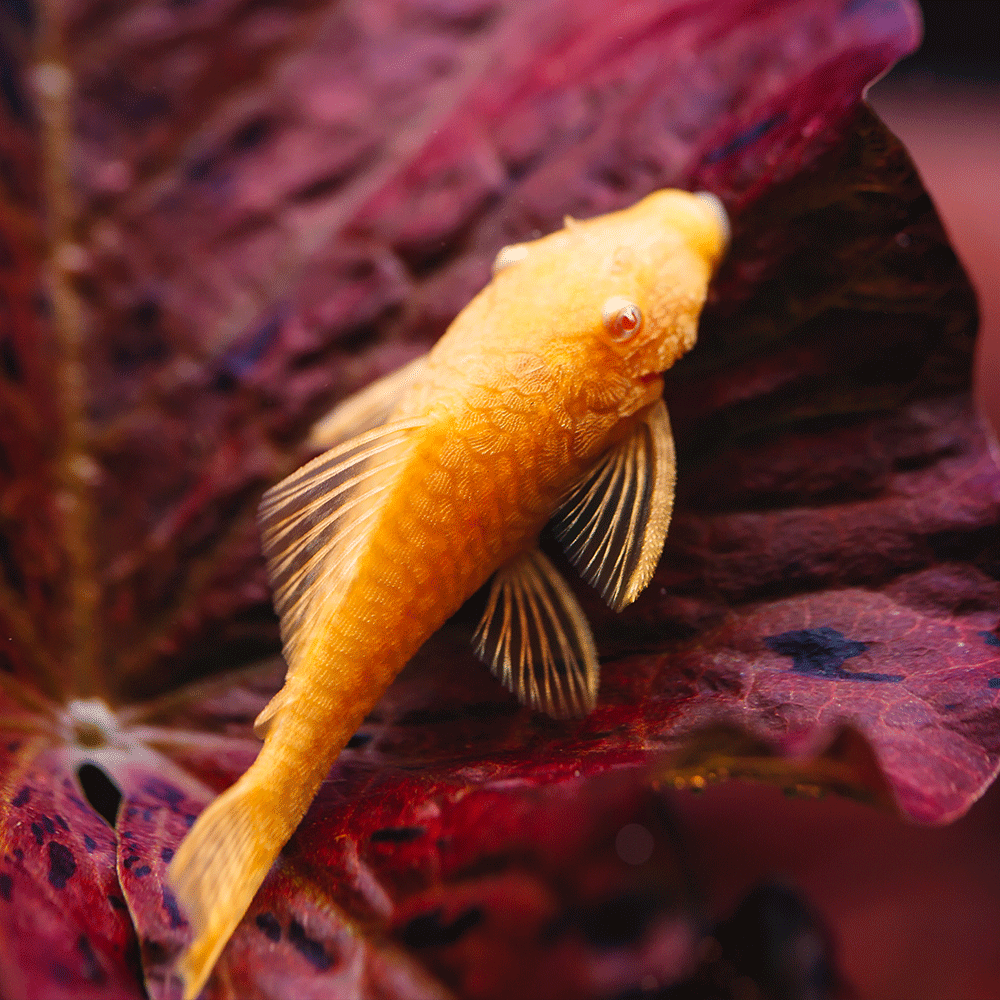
(369, 408)
(314, 525)
(613, 524)
(536, 640)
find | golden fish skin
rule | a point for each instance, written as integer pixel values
(541, 401)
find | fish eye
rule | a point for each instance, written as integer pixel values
(512, 254)
(622, 317)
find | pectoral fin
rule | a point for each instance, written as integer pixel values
(367, 409)
(536, 640)
(613, 524)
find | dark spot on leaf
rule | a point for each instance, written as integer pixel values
(992, 639)
(268, 923)
(100, 791)
(363, 269)
(147, 815)
(427, 930)
(167, 855)
(397, 834)
(237, 362)
(10, 363)
(92, 970)
(62, 822)
(165, 792)
(613, 176)
(821, 652)
(11, 89)
(141, 107)
(359, 740)
(142, 871)
(994, 682)
(61, 974)
(6, 885)
(37, 831)
(462, 19)
(18, 854)
(312, 951)
(146, 315)
(325, 186)
(173, 910)
(224, 381)
(252, 134)
(744, 139)
(129, 861)
(154, 953)
(8, 564)
(189, 819)
(22, 797)
(620, 921)
(917, 463)
(89, 843)
(199, 169)
(50, 827)
(62, 864)
(117, 903)
(139, 340)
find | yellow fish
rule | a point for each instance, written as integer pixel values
(541, 403)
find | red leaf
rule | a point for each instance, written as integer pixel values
(239, 215)
(64, 922)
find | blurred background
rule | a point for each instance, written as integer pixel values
(944, 103)
(912, 912)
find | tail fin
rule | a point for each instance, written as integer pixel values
(219, 867)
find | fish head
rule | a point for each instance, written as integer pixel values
(623, 291)
(655, 265)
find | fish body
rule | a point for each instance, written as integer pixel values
(541, 403)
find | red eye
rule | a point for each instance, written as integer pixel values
(629, 320)
(622, 317)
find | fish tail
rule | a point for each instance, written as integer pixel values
(225, 857)
(218, 869)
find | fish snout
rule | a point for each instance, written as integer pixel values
(698, 217)
(715, 208)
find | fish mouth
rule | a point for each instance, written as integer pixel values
(650, 386)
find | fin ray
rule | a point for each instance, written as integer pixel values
(314, 525)
(535, 638)
(613, 524)
(368, 408)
